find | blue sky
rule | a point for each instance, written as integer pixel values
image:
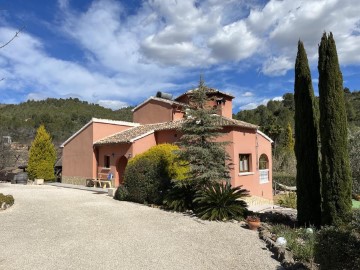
(118, 53)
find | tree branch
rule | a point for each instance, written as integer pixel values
(15, 36)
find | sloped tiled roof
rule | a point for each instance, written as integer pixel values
(164, 100)
(208, 90)
(132, 134)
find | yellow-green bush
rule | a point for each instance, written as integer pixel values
(148, 175)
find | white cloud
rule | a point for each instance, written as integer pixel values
(247, 94)
(249, 106)
(276, 66)
(129, 57)
(113, 104)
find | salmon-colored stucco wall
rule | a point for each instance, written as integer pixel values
(141, 145)
(116, 152)
(78, 155)
(226, 109)
(167, 136)
(100, 131)
(177, 115)
(153, 112)
(223, 109)
(250, 142)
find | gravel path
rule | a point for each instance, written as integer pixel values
(59, 228)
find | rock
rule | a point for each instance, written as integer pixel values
(3, 206)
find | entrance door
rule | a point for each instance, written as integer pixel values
(121, 165)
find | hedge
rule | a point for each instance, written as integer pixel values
(148, 175)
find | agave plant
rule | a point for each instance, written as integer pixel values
(220, 201)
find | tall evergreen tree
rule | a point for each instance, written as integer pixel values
(207, 158)
(306, 144)
(336, 176)
(289, 140)
(42, 156)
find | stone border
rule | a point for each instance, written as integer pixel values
(282, 254)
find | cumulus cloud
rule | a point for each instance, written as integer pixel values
(113, 104)
(127, 57)
(277, 66)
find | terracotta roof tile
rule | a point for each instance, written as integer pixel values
(127, 136)
(164, 100)
(132, 134)
(208, 90)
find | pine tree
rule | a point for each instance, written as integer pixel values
(306, 144)
(42, 156)
(207, 158)
(336, 176)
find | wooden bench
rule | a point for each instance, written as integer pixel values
(102, 180)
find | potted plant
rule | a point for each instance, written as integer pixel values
(253, 222)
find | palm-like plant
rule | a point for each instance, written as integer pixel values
(180, 197)
(220, 201)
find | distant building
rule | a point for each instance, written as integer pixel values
(106, 145)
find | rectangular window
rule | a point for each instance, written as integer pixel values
(107, 161)
(244, 161)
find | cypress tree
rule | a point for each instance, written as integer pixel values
(306, 144)
(42, 156)
(206, 157)
(289, 140)
(335, 169)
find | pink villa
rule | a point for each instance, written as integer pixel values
(105, 146)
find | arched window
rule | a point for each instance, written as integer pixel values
(263, 162)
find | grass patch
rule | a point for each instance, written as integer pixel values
(355, 204)
(299, 240)
(286, 200)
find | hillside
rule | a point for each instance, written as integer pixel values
(276, 115)
(61, 117)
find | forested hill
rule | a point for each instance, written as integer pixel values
(61, 117)
(275, 116)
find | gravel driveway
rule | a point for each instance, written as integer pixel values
(60, 228)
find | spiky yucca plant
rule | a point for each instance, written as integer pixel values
(220, 201)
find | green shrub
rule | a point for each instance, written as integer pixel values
(148, 175)
(355, 221)
(8, 199)
(220, 201)
(337, 248)
(286, 200)
(299, 241)
(181, 196)
(121, 193)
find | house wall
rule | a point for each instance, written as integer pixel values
(222, 109)
(141, 145)
(177, 115)
(167, 136)
(77, 160)
(247, 141)
(116, 152)
(153, 112)
(79, 155)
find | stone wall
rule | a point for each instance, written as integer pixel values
(74, 180)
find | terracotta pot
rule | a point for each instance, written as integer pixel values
(253, 225)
